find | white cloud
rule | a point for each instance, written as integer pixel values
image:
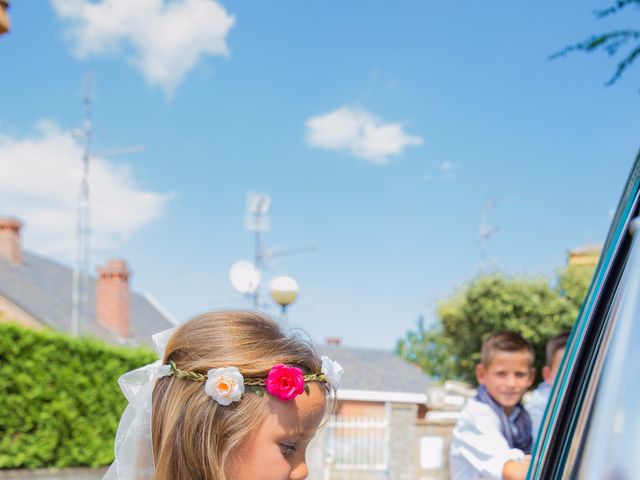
(359, 132)
(40, 183)
(442, 170)
(449, 169)
(166, 38)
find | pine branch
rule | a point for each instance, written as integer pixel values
(622, 66)
(611, 42)
(620, 4)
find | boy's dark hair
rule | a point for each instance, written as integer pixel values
(504, 341)
(554, 344)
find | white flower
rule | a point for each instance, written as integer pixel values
(332, 372)
(224, 385)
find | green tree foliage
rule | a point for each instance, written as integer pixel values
(59, 399)
(450, 348)
(573, 282)
(611, 42)
(429, 349)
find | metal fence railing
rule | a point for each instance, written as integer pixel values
(358, 443)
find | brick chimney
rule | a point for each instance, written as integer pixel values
(113, 298)
(10, 240)
(5, 25)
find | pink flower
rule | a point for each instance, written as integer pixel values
(285, 383)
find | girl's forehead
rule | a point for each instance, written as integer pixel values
(301, 416)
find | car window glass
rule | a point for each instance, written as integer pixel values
(614, 427)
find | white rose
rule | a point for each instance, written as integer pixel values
(332, 372)
(224, 385)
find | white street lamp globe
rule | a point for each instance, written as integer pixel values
(284, 291)
(244, 277)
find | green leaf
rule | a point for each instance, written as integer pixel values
(60, 402)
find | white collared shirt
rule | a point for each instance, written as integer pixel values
(536, 405)
(478, 448)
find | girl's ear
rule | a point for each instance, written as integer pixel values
(480, 373)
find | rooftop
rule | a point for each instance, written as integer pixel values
(41, 287)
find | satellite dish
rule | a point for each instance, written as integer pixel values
(244, 277)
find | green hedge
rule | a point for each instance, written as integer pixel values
(59, 399)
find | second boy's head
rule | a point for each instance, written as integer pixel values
(506, 368)
(555, 351)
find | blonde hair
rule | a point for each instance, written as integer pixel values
(193, 436)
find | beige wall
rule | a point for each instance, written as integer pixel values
(440, 430)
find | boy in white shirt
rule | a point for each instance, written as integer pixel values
(492, 439)
(537, 404)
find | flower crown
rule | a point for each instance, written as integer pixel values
(226, 384)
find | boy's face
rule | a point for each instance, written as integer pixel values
(507, 377)
(549, 372)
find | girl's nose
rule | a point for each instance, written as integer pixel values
(300, 472)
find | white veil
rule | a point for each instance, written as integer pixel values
(133, 443)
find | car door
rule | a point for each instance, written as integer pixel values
(591, 428)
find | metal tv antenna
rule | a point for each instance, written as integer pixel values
(256, 219)
(80, 284)
(485, 229)
(80, 287)
(246, 277)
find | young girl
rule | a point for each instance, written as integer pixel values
(233, 398)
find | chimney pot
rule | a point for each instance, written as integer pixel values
(113, 297)
(10, 240)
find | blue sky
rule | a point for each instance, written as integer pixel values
(379, 129)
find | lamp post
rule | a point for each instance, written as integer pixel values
(284, 291)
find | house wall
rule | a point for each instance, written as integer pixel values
(12, 313)
(353, 408)
(418, 448)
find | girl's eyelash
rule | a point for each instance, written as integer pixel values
(287, 449)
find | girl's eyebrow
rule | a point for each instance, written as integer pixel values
(311, 423)
(301, 429)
